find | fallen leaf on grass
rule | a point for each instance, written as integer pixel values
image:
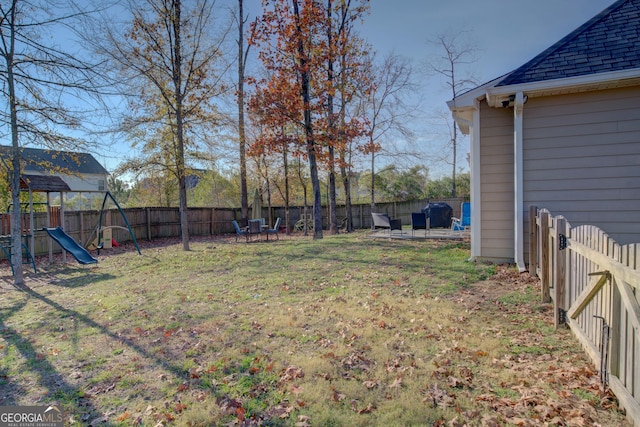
(369, 408)
(338, 397)
(370, 384)
(124, 416)
(397, 383)
(303, 421)
(454, 382)
(438, 397)
(98, 421)
(240, 413)
(195, 373)
(289, 374)
(280, 411)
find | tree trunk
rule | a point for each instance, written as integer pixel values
(315, 182)
(333, 215)
(285, 160)
(180, 164)
(304, 195)
(344, 149)
(244, 202)
(346, 182)
(373, 181)
(16, 229)
(305, 87)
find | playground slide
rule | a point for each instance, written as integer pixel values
(71, 246)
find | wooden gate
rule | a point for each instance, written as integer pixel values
(593, 282)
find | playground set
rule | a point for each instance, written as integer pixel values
(55, 217)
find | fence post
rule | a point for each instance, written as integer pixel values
(148, 223)
(544, 262)
(82, 227)
(533, 241)
(560, 255)
(212, 216)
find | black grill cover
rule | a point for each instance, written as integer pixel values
(439, 213)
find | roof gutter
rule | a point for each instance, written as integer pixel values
(497, 95)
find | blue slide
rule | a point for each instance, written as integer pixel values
(68, 244)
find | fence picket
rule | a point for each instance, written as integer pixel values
(545, 262)
(591, 250)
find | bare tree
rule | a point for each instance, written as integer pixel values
(456, 51)
(42, 86)
(243, 53)
(346, 56)
(387, 110)
(170, 56)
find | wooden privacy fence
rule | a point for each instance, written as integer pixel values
(159, 222)
(593, 282)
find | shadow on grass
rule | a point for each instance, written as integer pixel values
(73, 398)
(441, 260)
(9, 389)
(76, 282)
(59, 390)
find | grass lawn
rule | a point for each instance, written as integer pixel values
(344, 331)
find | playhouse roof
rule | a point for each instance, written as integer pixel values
(41, 183)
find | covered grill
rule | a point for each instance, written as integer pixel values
(439, 214)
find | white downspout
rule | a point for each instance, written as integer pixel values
(518, 226)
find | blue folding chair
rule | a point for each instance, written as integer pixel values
(239, 231)
(275, 229)
(464, 223)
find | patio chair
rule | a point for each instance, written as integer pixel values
(464, 223)
(381, 220)
(239, 231)
(419, 221)
(274, 230)
(255, 227)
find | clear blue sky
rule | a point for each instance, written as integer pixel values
(507, 33)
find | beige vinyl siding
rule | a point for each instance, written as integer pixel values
(582, 159)
(496, 183)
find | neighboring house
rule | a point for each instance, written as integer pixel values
(80, 171)
(561, 132)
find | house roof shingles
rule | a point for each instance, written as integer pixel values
(610, 41)
(38, 160)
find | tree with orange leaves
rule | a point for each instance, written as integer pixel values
(300, 47)
(288, 37)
